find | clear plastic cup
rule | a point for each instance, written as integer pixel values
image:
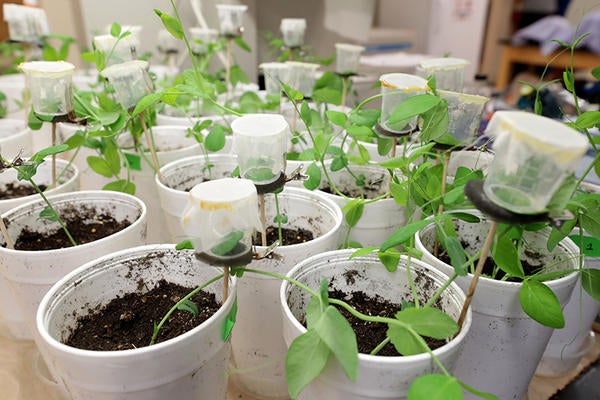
(201, 37)
(301, 76)
(220, 218)
(293, 30)
(396, 88)
(449, 72)
(130, 80)
(275, 72)
(347, 58)
(464, 114)
(25, 24)
(167, 43)
(116, 51)
(260, 142)
(50, 85)
(231, 19)
(533, 156)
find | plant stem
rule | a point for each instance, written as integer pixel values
(279, 232)
(344, 92)
(263, 223)
(440, 210)
(53, 155)
(225, 284)
(58, 218)
(380, 346)
(441, 290)
(228, 69)
(9, 243)
(478, 269)
(151, 147)
(176, 306)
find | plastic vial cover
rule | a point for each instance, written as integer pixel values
(396, 88)
(292, 30)
(533, 155)
(464, 114)
(260, 142)
(117, 51)
(50, 86)
(25, 24)
(274, 73)
(347, 58)
(449, 72)
(231, 19)
(221, 216)
(130, 80)
(301, 76)
(204, 35)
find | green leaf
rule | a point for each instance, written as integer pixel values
(49, 151)
(314, 177)
(100, 166)
(283, 219)
(362, 252)
(454, 196)
(556, 235)
(339, 162)
(569, 80)
(596, 73)
(394, 163)
(215, 140)
(506, 256)
(242, 44)
(336, 332)
(413, 106)
(404, 233)
(590, 281)
(428, 321)
(121, 185)
(404, 341)
(184, 245)
(327, 95)
(145, 102)
(107, 118)
(590, 221)
(435, 122)
(33, 122)
(228, 243)
(365, 117)
(399, 193)
(336, 117)
(171, 24)
(458, 258)
(540, 303)
(188, 306)
(305, 113)
(384, 146)
(465, 217)
(305, 359)
(588, 119)
(353, 211)
(115, 30)
(49, 53)
(360, 132)
(389, 258)
(435, 387)
(48, 214)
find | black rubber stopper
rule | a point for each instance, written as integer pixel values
(380, 130)
(271, 186)
(474, 192)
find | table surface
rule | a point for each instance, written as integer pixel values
(19, 379)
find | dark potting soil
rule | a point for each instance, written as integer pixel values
(84, 224)
(370, 334)
(127, 322)
(15, 190)
(490, 266)
(290, 236)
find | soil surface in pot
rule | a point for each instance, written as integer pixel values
(127, 322)
(15, 190)
(84, 224)
(369, 334)
(370, 190)
(290, 236)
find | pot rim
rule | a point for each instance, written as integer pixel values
(367, 358)
(86, 271)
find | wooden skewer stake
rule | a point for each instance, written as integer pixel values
(225, 284)
(263, 220)
(9, 243)
(53, 155)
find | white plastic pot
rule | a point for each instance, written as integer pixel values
(568, 345)
(504, 345)
(15, 138)
(190, 366)
(9, 311)
(378, 377)
(32, 273)
(379, 219)
(182, 175)
(13, 86)
(258, 346)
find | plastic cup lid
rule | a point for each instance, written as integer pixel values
(47, 68)
(273, 65)
(303, 65)
(124, 69)
(542, 134)
(349, 47)
(444, 63)
(199, 32)
(406, 82)
(232, 7)
(222, 193)
(260, 125)
(462, 97)
(293, 23)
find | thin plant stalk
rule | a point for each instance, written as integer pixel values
(478, 269)
(440, 211)
(9, 242)
(279, 232)
(53, 155)
(263, 220)
(228, 69)
(344, 92)
(151, 147)
(225, 284)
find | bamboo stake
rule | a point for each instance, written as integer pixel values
(344, 92)
(151, 147)
(478, 269)
(263, 219)
(225, 284)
